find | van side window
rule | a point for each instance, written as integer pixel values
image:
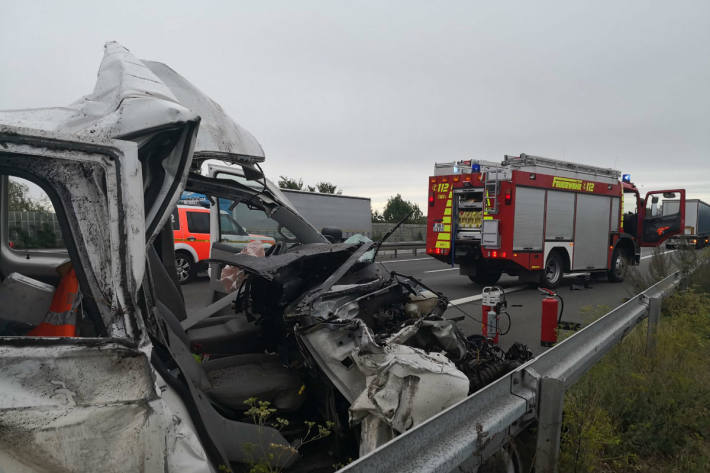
(198, 222)
(32, 221)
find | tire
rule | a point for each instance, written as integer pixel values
(554, 270)
(185, 267)
(619, 262)
(486, 276)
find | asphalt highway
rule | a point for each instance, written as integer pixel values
(582, 302)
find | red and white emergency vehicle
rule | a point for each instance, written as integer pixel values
(191, 233)
(539, 218)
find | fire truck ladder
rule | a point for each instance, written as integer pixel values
(490, 184)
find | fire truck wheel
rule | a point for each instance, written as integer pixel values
(554, 268)
(486, 277)
(185, 266)
(618, 265)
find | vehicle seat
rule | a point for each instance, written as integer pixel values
(234, 379)
(231, 380)
(225, 334)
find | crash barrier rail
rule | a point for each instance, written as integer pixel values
(403, 245)
(34, 229)
(475, 429)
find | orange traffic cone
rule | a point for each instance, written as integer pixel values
(61, 319)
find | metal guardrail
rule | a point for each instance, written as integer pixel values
(403, 245)
(476, 428)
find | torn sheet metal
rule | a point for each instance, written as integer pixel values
(98, 183)
(269, 268)
(131, 103)
(70, 409)
(421, 332)
(405, 385)
(219, 137)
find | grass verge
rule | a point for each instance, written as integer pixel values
(638, 413)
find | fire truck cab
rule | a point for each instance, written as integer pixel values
(539, 218)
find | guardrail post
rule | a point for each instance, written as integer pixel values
(654, 317)
(549, 429)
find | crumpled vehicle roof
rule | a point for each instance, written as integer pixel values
(218, 136)
(110, 109)
(152, 105)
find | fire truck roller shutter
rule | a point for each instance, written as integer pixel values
(591, 240)
(560, 216)
(614, 214)
(529, 218)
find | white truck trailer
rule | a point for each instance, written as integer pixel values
(696, 232)
(347, 213)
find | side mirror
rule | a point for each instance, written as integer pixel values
(669, 195)
(333, 235)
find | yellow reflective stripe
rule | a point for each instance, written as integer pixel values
(443, 244)
(191, 241)
(444, 236)
(447, 211)
(447, 228)
(487, 217)
(446, 220)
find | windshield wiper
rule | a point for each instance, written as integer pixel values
(389, 233)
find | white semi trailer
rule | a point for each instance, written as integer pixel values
(347, 213)
(697, 223)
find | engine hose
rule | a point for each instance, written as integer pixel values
(562, 308)
(487, 373)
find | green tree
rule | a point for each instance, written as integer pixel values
(328, 188)
(290, 183)
(38, 235)
(397, 208)
(376, 217)
(322, 187)
(20, 201)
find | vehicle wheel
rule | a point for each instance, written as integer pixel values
(700, 244)
(554, 269)
(618, 265)
(185, 267)
(486, 276)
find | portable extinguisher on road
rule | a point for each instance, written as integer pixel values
(552, 308)
(493, 303)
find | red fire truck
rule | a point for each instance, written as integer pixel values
(539, 218)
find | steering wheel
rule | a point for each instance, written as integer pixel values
(275, 249)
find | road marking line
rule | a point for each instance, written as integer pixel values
(438, 270)
(650, 256)
(403, 260)
(466, 300)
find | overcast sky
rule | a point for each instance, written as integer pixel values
(368, 95)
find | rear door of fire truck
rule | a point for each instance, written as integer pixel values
(657, 227)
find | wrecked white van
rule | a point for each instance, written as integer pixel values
(314, 356)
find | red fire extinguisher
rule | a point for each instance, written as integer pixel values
(492, 304)
(551, 317)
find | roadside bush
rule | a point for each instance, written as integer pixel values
(634, 412)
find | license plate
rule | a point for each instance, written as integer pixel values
(438, 227)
